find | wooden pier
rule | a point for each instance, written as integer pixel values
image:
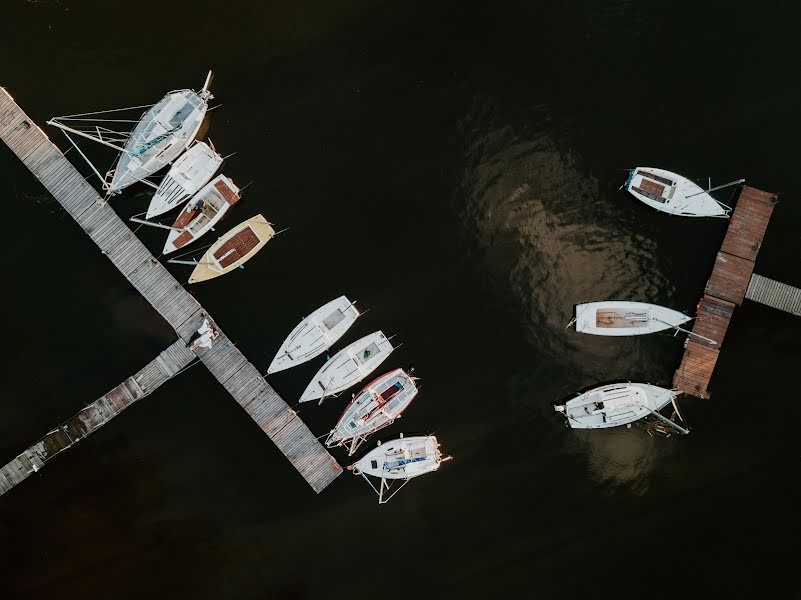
(167, 296)
(726, 288)
(165, 366)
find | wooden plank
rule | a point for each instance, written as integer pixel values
(695, 371)
(730, 278)
(748, 223)
(712, 320)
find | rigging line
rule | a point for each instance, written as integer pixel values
(195, 250)
(102, 120)
(103, 112)
(190, 365)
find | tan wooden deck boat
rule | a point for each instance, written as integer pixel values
(233, 249)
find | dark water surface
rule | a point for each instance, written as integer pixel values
(453, 166)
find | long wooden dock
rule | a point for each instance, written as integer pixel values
(165, 366)
(725, 289)
(167, 296)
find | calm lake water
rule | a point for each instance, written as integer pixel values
(453, 166)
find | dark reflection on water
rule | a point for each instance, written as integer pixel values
(454, 168)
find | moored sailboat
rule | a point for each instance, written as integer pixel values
(158, 137)
(621, 318)
(674, 194)
(348, 367)
(376, 406)
(616, 404)
(315, 334)
(232, 250)
(188, 174)
(204, 210)
(400, 459)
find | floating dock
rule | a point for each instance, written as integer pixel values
(167, 296)
(166, 365)
(774, 294)
(727, 286)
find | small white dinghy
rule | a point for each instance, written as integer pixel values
(671, 193)
(202, 213)
(378, 405)
(188, 174)
(404, 458)
(315, 334)
(349, 366)
(617, 318)
(616, 404)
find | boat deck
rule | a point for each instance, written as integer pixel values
(167, 296)
(726, 288)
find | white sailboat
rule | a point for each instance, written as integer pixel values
(315, 334)
(203, 212)
(619, 318)
(617, 404)
(158, 137)
(188, 174)
(401, 459)
(671, 193)
(348, 366)
(377, 406)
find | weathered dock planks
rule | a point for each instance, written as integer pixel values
(155, 283)
(165, 366)
(726, 288)
(774, 294)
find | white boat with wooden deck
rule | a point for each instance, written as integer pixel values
(614, 405)
(348, 366)
(233, 249)
(377, 406)
(315, 334)
(619, 318)
(203, 212)
(674, 194)
(188, 174)
(404, 458)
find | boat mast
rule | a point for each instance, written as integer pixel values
(687, 331)
(153, 224)
(719, 187)
(666, 421)
(86, 135)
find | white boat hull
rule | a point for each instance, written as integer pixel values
(404, 458)
(349, 366)
(202, 213)
(673, 194)
(614, 405)
(315, 334)
(161, 135)
(621, 318)
(376, 406)
(188, 174)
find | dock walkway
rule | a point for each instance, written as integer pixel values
(726, 288)
(775, 294)
(167, 296)
(165, 366)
